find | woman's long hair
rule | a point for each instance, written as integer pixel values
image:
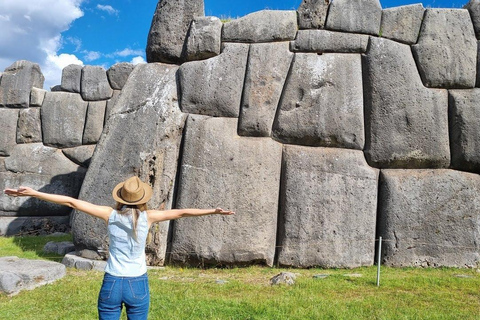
(134, 211)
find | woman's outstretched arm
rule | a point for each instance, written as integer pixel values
(164, 215)
(102, 212)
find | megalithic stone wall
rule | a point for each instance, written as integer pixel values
(323, 128)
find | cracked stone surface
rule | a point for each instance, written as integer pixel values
(23, 274)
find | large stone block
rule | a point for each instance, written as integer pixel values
(473, 7)
(216, 172)
(262, 26)
(358, 16)
(94, 84)
(322, 103)
(94, 122)
(39, 159)
(429, 218)
(446, 52)
(72, 78)
(8, 125)
(406, 124)
(63, 119)
(267, 69)
(36, 97)
(16, 83)
(214, 87)
(169, 28)
(29, 126)
(142, 137)
(65, 184)
(312, 14)
(464, 115)
(24, 274)
(328, 207)
(329, 41)
(80, 155)
(204, 38)
(402, 23)
(118, 74)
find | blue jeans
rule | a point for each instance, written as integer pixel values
(133, 292)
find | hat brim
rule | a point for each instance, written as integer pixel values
(146, 197)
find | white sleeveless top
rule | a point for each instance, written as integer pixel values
(126, 255)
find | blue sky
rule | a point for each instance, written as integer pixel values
(55, 33)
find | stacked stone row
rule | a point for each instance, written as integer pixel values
(48, 137)
(323, 128)
(308, 96)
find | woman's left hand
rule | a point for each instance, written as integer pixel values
(223, 212)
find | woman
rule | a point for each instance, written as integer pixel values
(125, 280)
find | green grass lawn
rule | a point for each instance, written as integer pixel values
(245, 293)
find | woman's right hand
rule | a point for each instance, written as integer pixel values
(20, 192)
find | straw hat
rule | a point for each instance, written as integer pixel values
(132, 191)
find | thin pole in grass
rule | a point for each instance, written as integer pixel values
(378, 260)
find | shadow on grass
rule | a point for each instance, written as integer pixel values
(32, 246)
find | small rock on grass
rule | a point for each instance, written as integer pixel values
(287, 278)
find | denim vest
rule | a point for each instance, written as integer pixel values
(126, 255)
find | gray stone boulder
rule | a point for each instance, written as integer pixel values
(400, 133)
(329, 41)
(328, 209)
(80, 155)
(429, 218)
(65, 184)
(42, 168)
(204, 38)
(72, 78)
(36, 97)
(71, 260)
(358, 16)
(63, 119)
(464, 115)
(214, 87)
(40, 159)
(322, 103)
(402, 23)
(312, 14)
(60, 248)
(267, 69)
(8, 125)
(142, 137)
(94, 122)
(118, 74)
(473, 7)
(215, 172)
(17, 82)
(446, 52)
(262, 26)
(168, 31)
(29, 126)
(287, 278)
(22, 274)
(94, 84)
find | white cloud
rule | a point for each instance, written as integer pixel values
(92, 55)
(31, 30)
(108, 9)
(138, 60)
(128, 52)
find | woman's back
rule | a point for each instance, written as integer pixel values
(127, 249)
